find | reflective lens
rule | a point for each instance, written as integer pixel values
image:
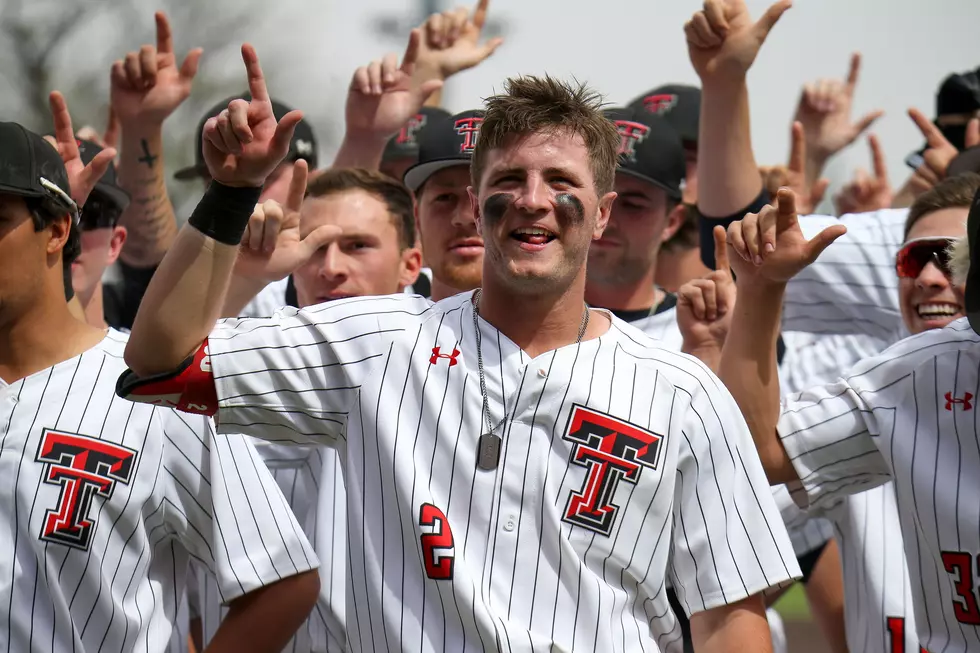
(917, 254)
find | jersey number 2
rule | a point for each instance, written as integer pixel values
(959, 564)
(437, 567)
(896, 630)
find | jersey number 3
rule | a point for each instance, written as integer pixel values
(959, 564)
(438, 566)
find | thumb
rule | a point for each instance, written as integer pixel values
(491, 46)
(865, 122)
(817, 191)
(188, 69)
(769, 19)
(284, 133)
(93, 172)
(319, 237)
(822, 241)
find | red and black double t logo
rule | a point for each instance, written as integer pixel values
(612, 450)
(84, 467)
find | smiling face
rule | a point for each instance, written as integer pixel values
(538, 211)
(930, 300)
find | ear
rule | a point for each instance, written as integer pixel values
(116, 242)
(411, 265)
(674, 222)
(59, 231)
(605, 210)
(475, 205)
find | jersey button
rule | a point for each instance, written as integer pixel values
(542, 372)
(509, 526)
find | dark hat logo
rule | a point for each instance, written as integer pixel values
(469, 129)
(303, 147)
(630, 135)
(408, 135)
(660, 104)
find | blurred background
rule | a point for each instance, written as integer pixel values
(309, 48)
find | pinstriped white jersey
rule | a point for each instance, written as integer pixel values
(852, 288)
(104, 502)
(907, 414)
(622, 464)
(662, 326)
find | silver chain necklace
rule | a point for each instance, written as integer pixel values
(488, 456)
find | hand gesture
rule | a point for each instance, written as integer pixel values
(770, 247)
(722, 40)
(825, 113)
(244, 143)
(82, 178)
(109, 138)
(704, 306)
(383, 96)
(147, 85)
(867, 193)
(939, 151)
(272, 248)
(794, 177)
(451, 42)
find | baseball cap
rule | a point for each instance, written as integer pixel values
(649, 149)
(405, 144)
(31, 167)
(444, 143)
(959, 93)
(973, 276)
(108, 185)
(303, 145)
(678, 104)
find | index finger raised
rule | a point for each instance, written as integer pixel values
(854, 71)
(878, 158)
(480, 13)
(256, 80)
(797, 150)
(297, 185)
(63, 132)
(721, 250)
(785, 207)
(165, 40)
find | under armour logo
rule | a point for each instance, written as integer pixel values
(434, 358)
(303, 147)
(965, 401)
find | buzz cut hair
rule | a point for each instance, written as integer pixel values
(531, 105)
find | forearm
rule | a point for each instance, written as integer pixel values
(265, 619)
(360, 151)
(737, 628)
(748, 369)
(149, 218)
(710, 355)
(728, 177)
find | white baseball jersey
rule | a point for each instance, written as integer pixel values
(622, 464)
(908, 415)
(104, 502)
(852, 288)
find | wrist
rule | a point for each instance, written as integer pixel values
(224, 211)
(723, 85)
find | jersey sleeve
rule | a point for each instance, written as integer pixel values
(852, 287)
(729, 541)
(225, 508)
(294, 376)
(807, 532)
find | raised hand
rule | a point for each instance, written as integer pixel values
(825, 113)
(722, 39)
(704, 305)
(244, 143)
(82, 178)
(451, 42)
(939, 151)
(148, 86)
(866, 193)
(272, 247)
(769, 247)
(384, 95)
(793, 176)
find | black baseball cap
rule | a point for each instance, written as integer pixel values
(405, 144)
(649, 149)
(303, 145)
(32, 167)
(108, 185)
(444, 143)
(959, 93)
(678, 104)
(973, 276)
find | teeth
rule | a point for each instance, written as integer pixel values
(938, 310)
(532, 231)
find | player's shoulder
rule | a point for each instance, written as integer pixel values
(885, 227)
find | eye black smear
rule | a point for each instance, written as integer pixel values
(570, 207)
(496, 206)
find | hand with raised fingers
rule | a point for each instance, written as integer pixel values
(824, 111)
(451, 42)
(273, 245)
(793, 176)
(939, 151)
(244, 144)
(704, 306)
(769, 246)
(723, 40)
(866, 193)
(384, 95)
(147, 86)
(82, 178)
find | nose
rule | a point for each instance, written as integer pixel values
(931, 277)
(333, 268)
(535, 196)
(463, 215)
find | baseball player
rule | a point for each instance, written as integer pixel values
(104, 501)
(402, 150)
(880, 421)
(475, 436)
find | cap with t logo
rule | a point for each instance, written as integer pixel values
(405, 144)
(678, 104)
(649, 149)
(31, 167)
(445, 142)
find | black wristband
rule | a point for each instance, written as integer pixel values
(224, 211)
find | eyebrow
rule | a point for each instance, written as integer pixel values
(633, 194)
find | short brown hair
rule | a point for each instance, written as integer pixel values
(393, 193)
(954, 192)
(544, 104)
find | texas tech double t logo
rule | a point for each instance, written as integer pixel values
(612, 450)
(83, 467)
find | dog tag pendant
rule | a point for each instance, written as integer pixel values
(489, 454)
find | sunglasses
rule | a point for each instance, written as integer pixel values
(916, 254)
